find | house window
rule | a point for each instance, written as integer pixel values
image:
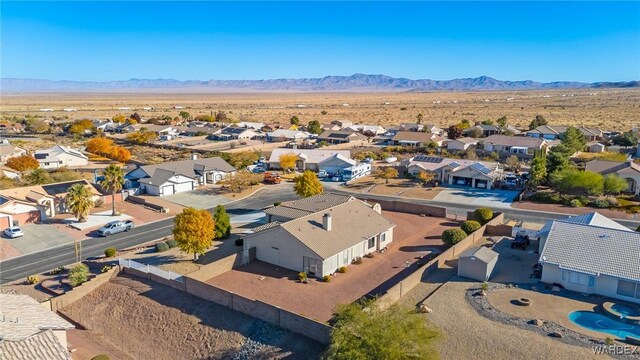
(578, 278)
(383, 237)
(371, 243)
(629, 289)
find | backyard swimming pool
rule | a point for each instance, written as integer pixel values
(601, 323)
(625, 310)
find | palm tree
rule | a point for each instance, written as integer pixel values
(79, 201)
(113, 181)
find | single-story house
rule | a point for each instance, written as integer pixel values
(319, 242)
(416, 139)
(60, 156)
(480, 174)
(365, 129)
(235, 133)
(30, 204)
(593, 260)
(549, 132)
(287, 135)
(484, 130)
(340, 137)
(461, 144)
(343, 124)
(628, 170)
(9, 172)
(411, 127)
(591, 219)
(8, 151)
(310, 159)
(430, 128)
(477, 264)
(518, 145)
(250, 125)
(104, 125)
(178, 176)
(29, 331)
(331, 127)
(595, 147)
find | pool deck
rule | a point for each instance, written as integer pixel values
(546, 307)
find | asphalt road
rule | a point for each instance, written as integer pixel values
(35, 263)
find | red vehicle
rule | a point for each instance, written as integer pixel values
(271, 178)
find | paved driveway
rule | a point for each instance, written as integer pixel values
(479, 197)
(203, 198)
(39, 237)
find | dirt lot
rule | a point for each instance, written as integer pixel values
(414, 237)
(150, 321)
(613, 109)
(613, 214)
(398, 187)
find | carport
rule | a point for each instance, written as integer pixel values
(477, 264)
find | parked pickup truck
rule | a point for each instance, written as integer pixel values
(115, 227)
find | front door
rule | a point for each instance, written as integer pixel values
(310, 265)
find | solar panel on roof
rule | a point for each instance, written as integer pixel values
(429, 159)
(483, 169)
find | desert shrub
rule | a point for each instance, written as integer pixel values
(600, 203)
(33, 279)
(277, 203)
(239, 242)
(56, 271)
(470, 226)
(342, 269)
(302, 276)
(105, 268)
(369, 255)
(577, 203)
(78, 274)
(110, 252)
(326, 278)
(608, 341)
(171, 243)
(453, 236)
(484, 286)
(101, 357)
(99, 202)
(357, 260)
(161, 247)
(482, 215)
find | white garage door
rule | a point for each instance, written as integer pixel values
(188, 186)
(167, 190)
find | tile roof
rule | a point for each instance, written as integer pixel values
(298, 208)
(51, 190)
(592, 218)
(43, 345)
(340, 135)
(313, 156)
(607, 167)
(160, 176)
(593, 250)
(265, 226)
(21, 316)
(414, 136)
(504, 140)
(352, 223)
(189, 168)
(432, 163)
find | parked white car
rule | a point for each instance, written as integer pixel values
(115, 227)
(13, 232)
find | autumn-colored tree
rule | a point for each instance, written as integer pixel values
(80, 127)
(307, 184)
(141, 137)
(242, 159)
(424, 177)
(120, 154)
(22, 163)
(79, 201)
(288, 161)
(113, 182)
(99, 145)
(119, 118)
(386, 174)
(242, 180)
(193, 230)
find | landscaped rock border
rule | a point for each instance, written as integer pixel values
(545, 328)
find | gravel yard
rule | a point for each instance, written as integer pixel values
(466, 332)
(150, 321)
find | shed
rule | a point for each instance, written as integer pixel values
(595, 147)
(477, 264)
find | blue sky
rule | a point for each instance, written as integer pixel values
(97, 41)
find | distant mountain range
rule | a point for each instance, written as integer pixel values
(356, 82)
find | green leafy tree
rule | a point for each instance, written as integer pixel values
(194, 230)
(538, 170)
(614, 184)
(294, 120)
(307, 184)
(487, 122)
(314, 127)
(79, 201)
(568, 180)
(222, 221)
(464, 124)
(184, 115)
(558, 159)
(538, 121)
(502, 122)
(573, 140)
(363, 330)
(112, 182)
(627, 139)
